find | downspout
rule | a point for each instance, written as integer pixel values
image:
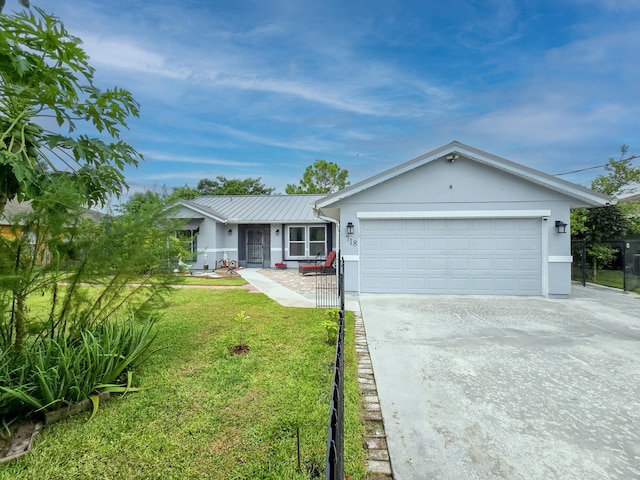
(282, 243)
(335, 222)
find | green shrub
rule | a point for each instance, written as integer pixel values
(330, 324)
(52, 372)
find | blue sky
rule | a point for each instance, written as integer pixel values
(264, 88)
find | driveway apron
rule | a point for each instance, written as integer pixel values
(508, 387)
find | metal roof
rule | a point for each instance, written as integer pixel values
(258, 208)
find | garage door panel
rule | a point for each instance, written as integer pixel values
(483, 244)
(472, 256)
(436, 284)
(415, 263)
(391, 244)
(418, 244)
(393, 282)
(416, 284)
(437, 244)
(460, 265)
(410, 226)
(460, 244)
(389, 263)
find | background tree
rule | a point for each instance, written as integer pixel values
(233, 186)
(622, 177)
(141, 201)
(44, 75)
(321, 177)
(185, 192)
(602, 225)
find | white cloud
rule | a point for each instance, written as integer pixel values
(613, 5)
(167, 157)
(126, 55)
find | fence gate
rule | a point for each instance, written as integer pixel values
(579, 264)
(327, 290)
(631, 264)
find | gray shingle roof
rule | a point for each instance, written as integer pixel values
(259, 208)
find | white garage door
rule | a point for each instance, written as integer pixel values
(501, 256)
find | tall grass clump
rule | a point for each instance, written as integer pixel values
(50, 373)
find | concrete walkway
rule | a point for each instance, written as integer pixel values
(275, 290)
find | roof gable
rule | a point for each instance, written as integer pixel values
(583, 197)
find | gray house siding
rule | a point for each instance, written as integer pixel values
(461, 190)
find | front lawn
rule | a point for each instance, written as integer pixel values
(209, 414)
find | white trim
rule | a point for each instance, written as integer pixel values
(544, 237)
(307, 240)
(455, 214)
(221, 250)
(560, 258)
(544, 252)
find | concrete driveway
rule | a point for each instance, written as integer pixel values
(519, 388)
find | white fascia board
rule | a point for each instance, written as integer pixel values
(238, 221)
(591, 197)
(202, 211)
(454, 214)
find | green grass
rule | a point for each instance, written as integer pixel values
(222, 282)
(609, 278)
(206, 413)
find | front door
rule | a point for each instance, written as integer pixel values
(255, 247)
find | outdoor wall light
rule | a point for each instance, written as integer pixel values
(561, 227)
(350, 228)
(230, 232)
(277, 231)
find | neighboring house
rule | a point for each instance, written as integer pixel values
(9, 219)
(456, 220)
(12, 217)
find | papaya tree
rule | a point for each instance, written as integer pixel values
(53, 118)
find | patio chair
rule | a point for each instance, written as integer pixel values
(324, 267)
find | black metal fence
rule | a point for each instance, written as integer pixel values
(631, 262)
(579, 265)
(626, 262)
(327, 294)
(335, 442)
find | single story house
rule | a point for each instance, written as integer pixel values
(255, 230)
(456, 220)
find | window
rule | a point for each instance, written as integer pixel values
(190, 237)
(317, 241)
(308, 241)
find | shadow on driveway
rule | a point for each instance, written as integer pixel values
(506, 387)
